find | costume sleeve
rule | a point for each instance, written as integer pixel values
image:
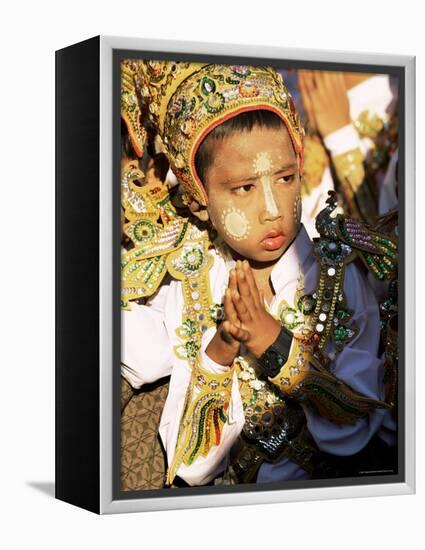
(343, 140)
(359, 366)
(211, 418)
(348, 152)
(146, 347)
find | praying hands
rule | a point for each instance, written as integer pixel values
(247, 320)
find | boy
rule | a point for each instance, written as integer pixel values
(291, 377)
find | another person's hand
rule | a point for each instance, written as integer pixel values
(261, 329)
(325, 100)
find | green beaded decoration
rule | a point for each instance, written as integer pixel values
(193, 259)
(217, 313)
(241, 70)
(342, 335)
(202, 416)
(144, 231)
(215, 103)
(207, 86)
(192, 348)
(189, 327)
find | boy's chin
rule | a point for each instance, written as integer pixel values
(261, 255)
(269, 255)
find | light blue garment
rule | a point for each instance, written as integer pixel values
(283, 470)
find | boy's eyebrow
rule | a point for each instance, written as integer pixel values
(290, 166)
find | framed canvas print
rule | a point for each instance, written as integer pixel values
(235, 288)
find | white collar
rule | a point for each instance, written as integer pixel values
(288, 267)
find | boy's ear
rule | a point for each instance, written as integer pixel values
(199, 211)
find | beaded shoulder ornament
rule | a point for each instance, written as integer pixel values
(167, 243)
(325, 315)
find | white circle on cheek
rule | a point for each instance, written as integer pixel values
(236, 224)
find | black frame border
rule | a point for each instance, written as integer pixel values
(77, 175)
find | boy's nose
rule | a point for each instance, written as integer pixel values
(267, 216)
(269, 210)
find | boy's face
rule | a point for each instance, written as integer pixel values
(253, 188)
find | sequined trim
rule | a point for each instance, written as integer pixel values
(350, 170)
(325, 393)
(144, 267)
(130, 109)
(203, 417)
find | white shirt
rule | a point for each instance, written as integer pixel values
(149, 336)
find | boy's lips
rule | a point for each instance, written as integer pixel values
(273, 240)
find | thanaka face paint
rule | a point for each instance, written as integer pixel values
(263, 167)
(252, 185)
(235, 223)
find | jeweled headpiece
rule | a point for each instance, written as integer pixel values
(131, 111)
(188, 100)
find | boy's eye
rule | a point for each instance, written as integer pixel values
(243, 189)
(286, 179)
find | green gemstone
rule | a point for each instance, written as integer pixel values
(340, 333)
(342, 314)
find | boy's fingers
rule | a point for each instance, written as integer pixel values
(238, 333)
(226, 332)
(232, 280)
(233, 288)
(229, 308)
(244, 290)
(251, 283)
(241, 308)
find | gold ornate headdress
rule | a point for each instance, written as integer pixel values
(131, 106)
(186, 101)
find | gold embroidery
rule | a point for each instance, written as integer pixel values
(350, 170)
(325, 393)
(369, 124)
(130, 109)
(208, 395)
(204, 416)
(144, 267)
(186, 100)
(315, 162)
